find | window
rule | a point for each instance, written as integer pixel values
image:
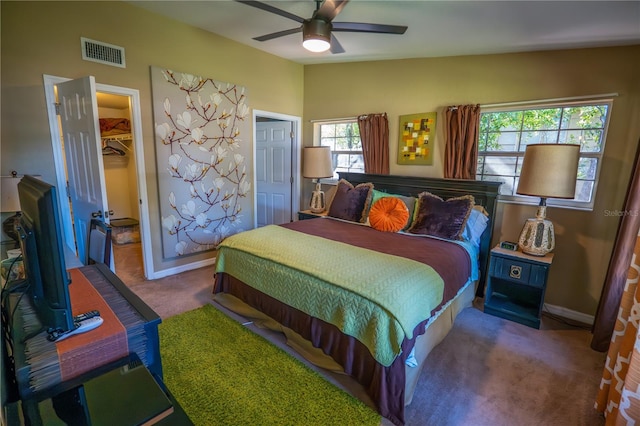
(505, 134)
(346, 148)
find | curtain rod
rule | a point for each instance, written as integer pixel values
(329, 120)
(503, 104)
(541, 101)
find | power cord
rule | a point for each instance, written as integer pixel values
(8, 355)
(8, 287)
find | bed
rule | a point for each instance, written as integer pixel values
(355, 297)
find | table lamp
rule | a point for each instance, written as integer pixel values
(548, 171)
(9, 203)
(316, 164)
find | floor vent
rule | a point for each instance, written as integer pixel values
(104, 53)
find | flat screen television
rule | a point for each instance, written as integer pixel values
(43, 253)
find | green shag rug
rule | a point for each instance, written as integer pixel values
(223, 374)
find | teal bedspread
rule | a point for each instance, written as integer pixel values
(368, 295)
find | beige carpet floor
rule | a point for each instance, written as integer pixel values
(169, 295)
(487, 371)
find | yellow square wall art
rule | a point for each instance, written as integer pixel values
(416, 138)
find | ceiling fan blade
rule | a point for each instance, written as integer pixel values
(329, 9)
(361, 27)
(278, 34)
(268, 8)
(336, 47)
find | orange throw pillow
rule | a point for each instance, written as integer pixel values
(388, 214)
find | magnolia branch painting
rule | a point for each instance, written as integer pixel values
(199, 127)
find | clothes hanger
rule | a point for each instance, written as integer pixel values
(110, 150)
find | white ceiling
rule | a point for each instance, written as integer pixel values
(436, 28)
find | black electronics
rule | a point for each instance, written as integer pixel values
(43, 253)
(86, 315)
(508, 245)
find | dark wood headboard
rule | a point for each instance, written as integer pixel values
(485, 194)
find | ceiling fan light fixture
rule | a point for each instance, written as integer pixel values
(316, 45)
(316, 35)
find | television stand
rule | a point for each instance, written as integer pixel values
(38, 379)
(105, 399)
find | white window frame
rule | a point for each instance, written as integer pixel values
(561, 203)
(317, 142)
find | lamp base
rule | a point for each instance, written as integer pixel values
(537, 237)
(9, 228)
(317, 204)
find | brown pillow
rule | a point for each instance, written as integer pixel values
(388, 214)
(444, 219)
(349, 202)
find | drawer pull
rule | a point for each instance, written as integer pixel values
(515, 272)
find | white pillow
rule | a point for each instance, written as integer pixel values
(475, 226)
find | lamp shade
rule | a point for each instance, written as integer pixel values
(549, 171)
(9, 196)
(316, 162)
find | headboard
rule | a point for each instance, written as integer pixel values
(485, 194)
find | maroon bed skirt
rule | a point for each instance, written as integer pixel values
(385, 385)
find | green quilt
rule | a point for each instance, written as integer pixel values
(377, 298)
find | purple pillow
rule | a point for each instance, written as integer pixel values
(349, 202)
(444, 219)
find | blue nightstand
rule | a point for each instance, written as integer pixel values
(516, 285)
(308, 214)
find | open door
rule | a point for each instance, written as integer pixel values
(83, 155)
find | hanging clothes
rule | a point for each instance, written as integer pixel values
(111, 150)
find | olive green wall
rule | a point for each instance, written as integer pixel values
(584, 238)
(44, 38)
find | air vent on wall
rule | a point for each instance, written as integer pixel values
(104, 53)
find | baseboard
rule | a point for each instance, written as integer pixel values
(172, 271)
(569, 314)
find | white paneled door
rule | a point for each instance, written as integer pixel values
(274, 174)
(83, 155)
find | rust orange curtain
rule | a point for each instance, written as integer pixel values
(462, 125)
(619, 395)
(619, 263)
(374, 133)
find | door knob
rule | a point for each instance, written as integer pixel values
(109, 213)
(97, 214)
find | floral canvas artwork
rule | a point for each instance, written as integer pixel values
(202, 145)
(416, 138)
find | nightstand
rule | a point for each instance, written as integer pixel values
(308, 214)
(516, 285)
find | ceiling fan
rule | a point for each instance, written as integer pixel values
(317, 31)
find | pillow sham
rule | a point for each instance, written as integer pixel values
(349, 202)
(439, 218)
(476, 224)
(410, 202)
(388, 214)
